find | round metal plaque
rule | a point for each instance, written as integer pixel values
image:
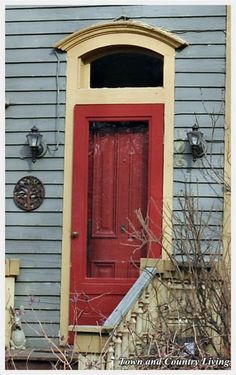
(29, 193)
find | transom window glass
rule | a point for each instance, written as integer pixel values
(127, 69)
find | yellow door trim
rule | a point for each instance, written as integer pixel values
(92, 39)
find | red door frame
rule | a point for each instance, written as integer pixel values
(83, 114)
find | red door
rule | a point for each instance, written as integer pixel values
(118, 155)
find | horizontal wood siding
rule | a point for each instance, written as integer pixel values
(31, 32)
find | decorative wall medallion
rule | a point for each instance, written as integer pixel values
(29, 193)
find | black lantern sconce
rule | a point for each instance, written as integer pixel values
(37, 145)
(197, 142)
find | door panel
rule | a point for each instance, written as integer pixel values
(117, 168)
(102, 178)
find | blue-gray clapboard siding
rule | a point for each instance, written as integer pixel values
(31, 67)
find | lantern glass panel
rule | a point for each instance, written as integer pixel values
(194, 139)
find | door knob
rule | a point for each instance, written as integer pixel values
(74, 234)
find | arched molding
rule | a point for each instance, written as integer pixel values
(120, 27)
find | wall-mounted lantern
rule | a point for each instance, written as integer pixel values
(37, 145)
(197, 142)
